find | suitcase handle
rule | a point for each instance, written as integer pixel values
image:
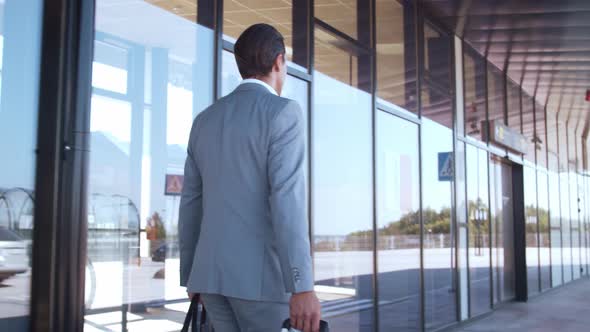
(323, 325)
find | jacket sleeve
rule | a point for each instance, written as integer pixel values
(191, 211)
(288, 201)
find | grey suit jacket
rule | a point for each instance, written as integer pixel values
(242, 225)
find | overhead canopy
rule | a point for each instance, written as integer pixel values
(544, 45)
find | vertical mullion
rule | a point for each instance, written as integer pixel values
(418, 23)
(218, 48)
(59, 246)
(371, 12)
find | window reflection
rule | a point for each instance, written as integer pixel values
(240, 14)
(544, 239)
(396, 49)
(439, 264)
(20, 54)
(149, 84)
(342, 203)
(564, 194)
(495, 94)
(475, 94)
(437, 58)
(398, 222)
(502, 203)
(341, 14)
(528, 128)
(479, 229)
(531, 228)
(554, 200)
(513, 103)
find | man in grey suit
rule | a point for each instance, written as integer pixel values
(243, 231)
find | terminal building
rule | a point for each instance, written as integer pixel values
(447, 153)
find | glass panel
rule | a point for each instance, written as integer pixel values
(475, 94)
(240, 14)
(528, 127)
(555, 219)
(495, 94)
(398, 222)
(342, 201)
(341, 14)
(479, 230)
(502, 230)
(564, 191)
(437, 107)
(333, 61)
(20, 54)
(513, 103)
(439, 264)
(554, 201)
(531, 224)
(540, 137)
(438, 64)
(576, 257)
(137, 161)
(110, 67)
(463, 228)
(396, 49)
(544, 240)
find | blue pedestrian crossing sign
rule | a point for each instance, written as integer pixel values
(445, 166)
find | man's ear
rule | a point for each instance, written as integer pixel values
(280, 59)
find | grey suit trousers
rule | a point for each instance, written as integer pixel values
(230, 314)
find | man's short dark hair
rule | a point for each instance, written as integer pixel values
(257, 48)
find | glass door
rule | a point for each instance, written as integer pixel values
(502, 202)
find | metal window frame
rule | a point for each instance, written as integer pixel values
(62, 160)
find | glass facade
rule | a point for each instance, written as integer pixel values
(154, 82)
(396, 46)
(475, 94)
(341, 191)
(479, 230)
(20, 54)
(398, 222)
(412, 204)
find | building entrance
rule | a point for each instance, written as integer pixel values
(502, 210)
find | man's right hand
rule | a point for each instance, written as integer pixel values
(305, 312)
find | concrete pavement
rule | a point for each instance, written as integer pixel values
(566, 309)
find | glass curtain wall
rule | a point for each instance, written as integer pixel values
(574, 202)
(396, 50)
(479, 230)
(286, 16)
(398, 222)
(544, 229)
(554, 201)
(20, 57)
(438, 180)
(502, 204)
(496, 104)
(342, 191)
(149, 84)
(540, 143)
(531, 229)
(475, 94)
(564, 194)
(530, 194)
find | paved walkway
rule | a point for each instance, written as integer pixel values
(562, 310)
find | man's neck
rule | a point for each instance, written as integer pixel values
(268, 80)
